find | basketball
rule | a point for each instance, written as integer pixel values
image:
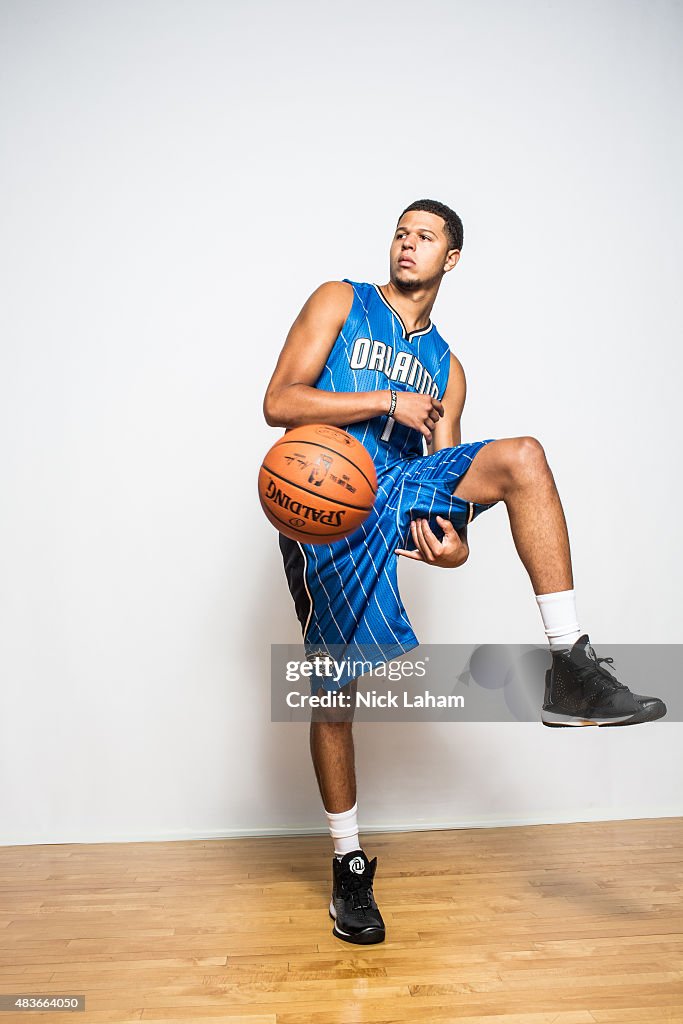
(317, 484)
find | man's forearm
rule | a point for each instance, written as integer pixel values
(296, 404)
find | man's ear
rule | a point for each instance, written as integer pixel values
(451, 259)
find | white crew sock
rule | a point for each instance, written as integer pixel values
(560, 620)
(344, 830)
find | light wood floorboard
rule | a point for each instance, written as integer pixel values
(545, 924)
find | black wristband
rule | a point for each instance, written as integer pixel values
(392, 407)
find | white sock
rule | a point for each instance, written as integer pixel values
(560, 620)
(344, 830)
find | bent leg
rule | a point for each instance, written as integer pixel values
(515, 470)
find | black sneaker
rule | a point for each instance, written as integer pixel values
(579, 691)
(353, 908)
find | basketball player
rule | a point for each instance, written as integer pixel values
(368, 358)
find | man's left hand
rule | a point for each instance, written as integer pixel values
(448, 553)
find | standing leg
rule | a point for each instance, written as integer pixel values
(353, 907)
(332, 752)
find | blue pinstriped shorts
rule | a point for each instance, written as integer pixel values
(346, 594)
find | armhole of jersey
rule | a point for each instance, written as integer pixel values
(350, 325)
(448, 368)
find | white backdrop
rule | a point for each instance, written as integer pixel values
(176, 179)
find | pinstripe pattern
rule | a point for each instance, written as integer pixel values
(351, 586)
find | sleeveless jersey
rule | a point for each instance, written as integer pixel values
(372, 352)
(346, 593)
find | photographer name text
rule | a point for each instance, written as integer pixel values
(375, 699)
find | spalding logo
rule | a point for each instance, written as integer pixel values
(336, 435)
(316, 515)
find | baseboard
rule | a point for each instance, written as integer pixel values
(191, 835)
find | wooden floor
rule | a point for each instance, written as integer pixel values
(569, 924)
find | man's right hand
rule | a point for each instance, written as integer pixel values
(421, 412)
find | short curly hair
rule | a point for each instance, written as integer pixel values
(454, 231)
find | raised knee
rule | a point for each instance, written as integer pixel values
(529, 455)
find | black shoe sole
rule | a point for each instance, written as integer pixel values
(367, 938)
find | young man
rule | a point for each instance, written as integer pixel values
(368, 358)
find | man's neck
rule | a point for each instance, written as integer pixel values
(414, 307)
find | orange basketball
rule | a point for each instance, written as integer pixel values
(317, 484)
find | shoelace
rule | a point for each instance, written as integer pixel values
(358, 889)
(594, 668)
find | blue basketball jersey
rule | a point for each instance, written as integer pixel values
(373, 352)
(346, 593)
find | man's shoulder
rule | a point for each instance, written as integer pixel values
(342, 294)
(358, 284)
(330, 303)
(339, 291)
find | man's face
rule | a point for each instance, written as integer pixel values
(419, 252)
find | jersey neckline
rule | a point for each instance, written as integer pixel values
(406, 334)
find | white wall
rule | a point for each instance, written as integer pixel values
(176, 179)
